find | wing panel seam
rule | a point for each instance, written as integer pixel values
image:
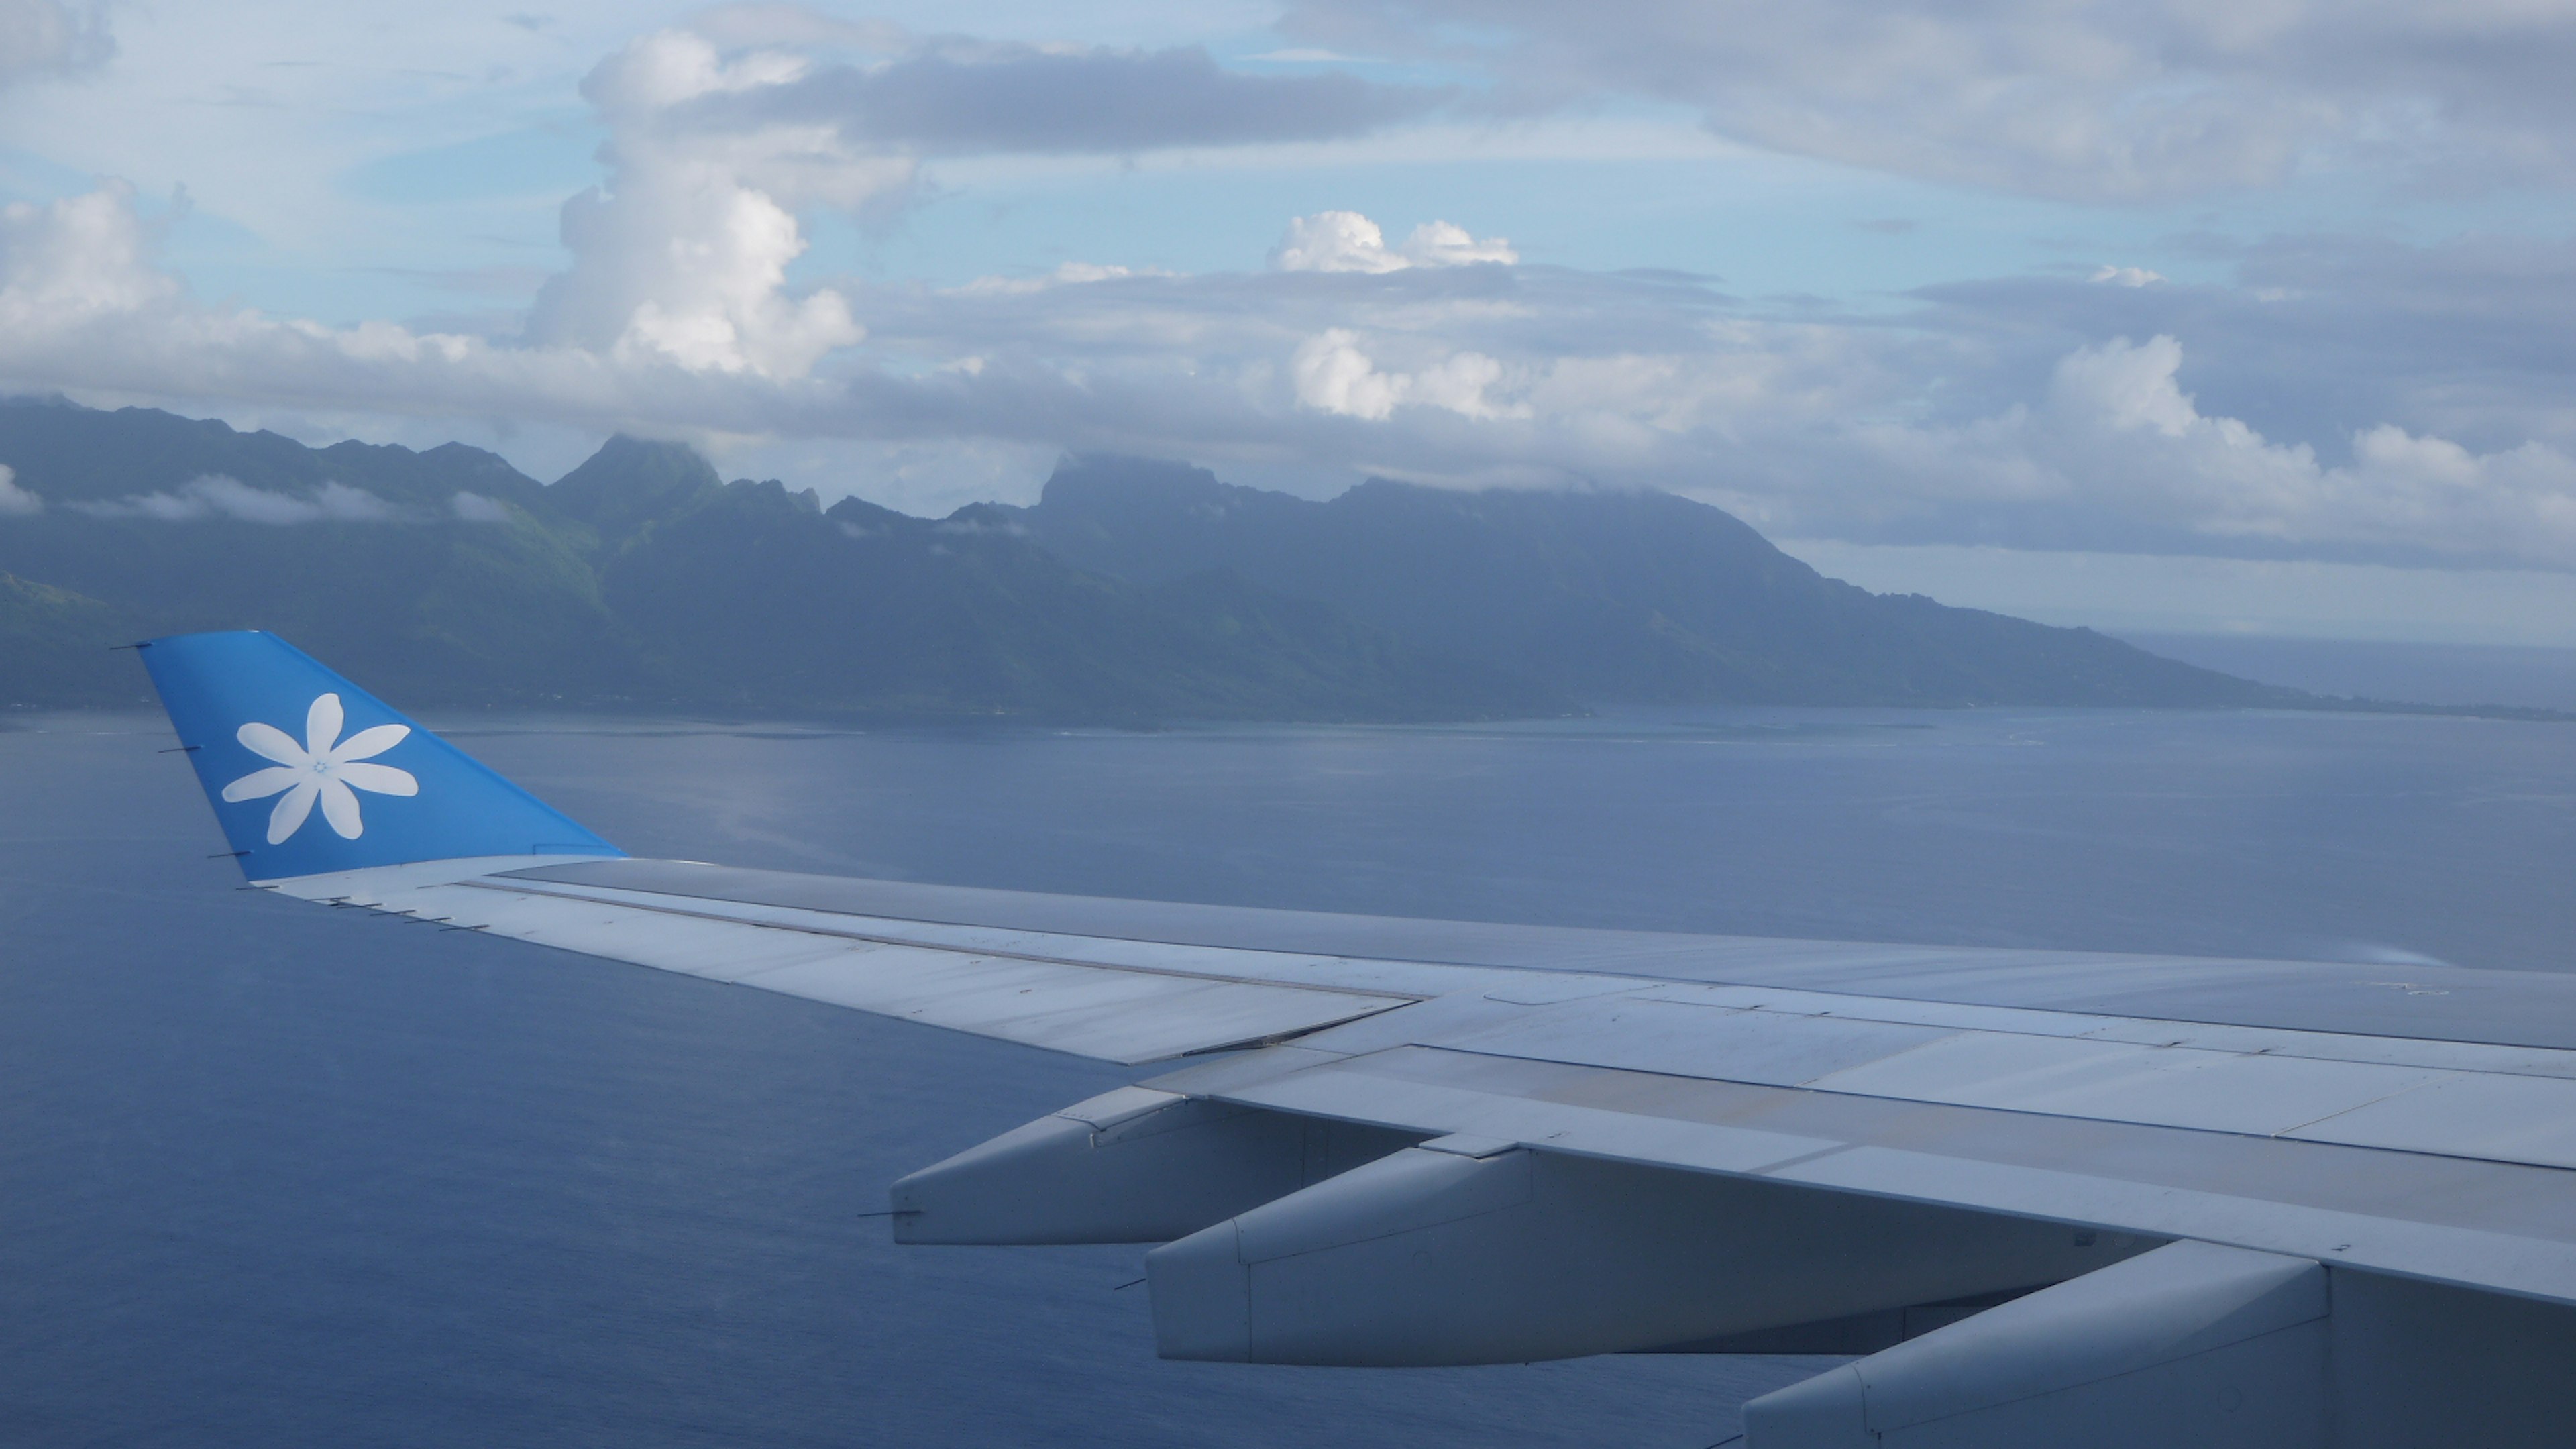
(2024, 1111)
(522, 888)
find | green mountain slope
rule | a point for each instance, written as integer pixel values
(55, 648)
(750, 597)
(1608, 596)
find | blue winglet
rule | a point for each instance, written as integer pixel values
(309, 773)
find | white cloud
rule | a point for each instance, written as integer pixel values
(475, 508)
(16, 502)
(2108, 275)
(1346, 241)
(2127, 422)
(217, 495)
(683, 254)
(2116, 439)
(1441, 244)
(1335, 376)
(80, 260)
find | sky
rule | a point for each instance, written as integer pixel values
(2200, 315)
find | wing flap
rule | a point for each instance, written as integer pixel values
(2500, 1227)
(2507, 1104)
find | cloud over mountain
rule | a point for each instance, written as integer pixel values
(215, 495)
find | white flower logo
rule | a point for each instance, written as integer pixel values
(319, 770)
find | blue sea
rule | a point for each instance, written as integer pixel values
(279, 1176)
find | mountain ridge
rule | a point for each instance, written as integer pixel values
(1134, 591)
(1628, 596)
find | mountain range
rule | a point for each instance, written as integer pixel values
(1133, 591)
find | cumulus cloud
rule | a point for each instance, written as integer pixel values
(2158, 98)
(39, 37)
(1346, 241)
(218, 495)
(80, 260)
(683, 253)
(2318, 336)
(2107, 275)
(1335, 376)
(2119, 419)
(16, 502)
(2116, 448)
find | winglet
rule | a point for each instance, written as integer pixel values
(309, 773)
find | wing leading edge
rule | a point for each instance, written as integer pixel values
(2117, 1197)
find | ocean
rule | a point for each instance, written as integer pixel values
(272, 1175)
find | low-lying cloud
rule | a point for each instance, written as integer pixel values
(16, 502)
(214, 496)
(218, 495)
(475, 508)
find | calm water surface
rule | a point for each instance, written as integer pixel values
(271, 1175)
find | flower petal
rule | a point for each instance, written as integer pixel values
(262, 782)
(292, 808)
(370, 742)
(341, 809)
(271, 743)
(382, 779)
(322, 725)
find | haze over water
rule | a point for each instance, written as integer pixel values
(276, 1175)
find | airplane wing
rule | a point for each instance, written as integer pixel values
(2049, 1198)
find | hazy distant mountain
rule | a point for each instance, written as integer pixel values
(436, 575)
(1134, 591)
(1607, 596)
(748, 596)
(639, 580)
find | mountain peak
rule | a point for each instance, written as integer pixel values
(632, 481)
(1087, 478)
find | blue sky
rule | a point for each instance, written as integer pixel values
(2154, 315)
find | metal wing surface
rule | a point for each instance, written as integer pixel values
(2138, 1199)
(2444, 1153)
